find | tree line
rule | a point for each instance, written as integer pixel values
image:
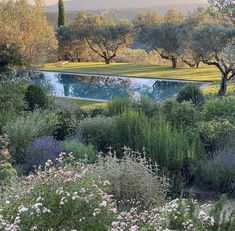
(205, 36)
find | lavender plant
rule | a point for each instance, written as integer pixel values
(41, 150)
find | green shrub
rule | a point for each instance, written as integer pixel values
(36, 97)
(132, 178)
(218, 174)
(97, 131)
(6, 116)
(167, 146)
(146, 105)
(24, 129)
(181, 115)
(190, 92)
(221, 107)
(12, 96)
(7, 172)
(80, 151)
(119, 105)
(57, 199)
(216, 134)
(66, 124)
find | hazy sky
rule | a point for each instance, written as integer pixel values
(51, 2)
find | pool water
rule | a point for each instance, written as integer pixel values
(106, 87)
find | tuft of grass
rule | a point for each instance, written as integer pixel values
(138, 70)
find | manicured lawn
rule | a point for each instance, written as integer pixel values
(138, 70)
(81, 103)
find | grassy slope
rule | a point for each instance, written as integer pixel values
(138, 70)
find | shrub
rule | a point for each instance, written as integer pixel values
(24, 129)
(5, 117)
(216, 134)
(66, 124)
(119, 105)
(218, 174)
(97, 131)
(80, 151)
(132, 178)
(167, 146)
(164, 144)
(66, 198)
(36, 97)
(41, 150)
(146, 105)
(222, 107)
(7, 172)
(190, 92)
(12, 96)
(181, 115)
(179, 214)
(56, 199)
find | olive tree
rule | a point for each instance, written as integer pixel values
(103, 36)
(194, 21)
(211, 43)
(225, 7)
(26, 38)
(164, 40)
(71, 48)
(143, 23)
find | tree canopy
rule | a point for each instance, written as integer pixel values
(103, 35)
(25, 36)
(211, 43)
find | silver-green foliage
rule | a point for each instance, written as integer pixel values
(27, 127)
(133, 178)
(80, 151)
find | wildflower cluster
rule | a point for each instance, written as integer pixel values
(65, 197)
(57, 198)
(179, 214)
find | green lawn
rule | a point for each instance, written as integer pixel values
(81, 103)
(138, 70)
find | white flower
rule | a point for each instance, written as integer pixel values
(36, 206)
(39, 199)
(22, 209)
(7, 202)
(106, 183)
(103, 204)
(46, 210)
(134, 228)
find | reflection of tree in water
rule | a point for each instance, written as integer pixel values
(101, 87)
(94, 87)
(40, 79)
(164, 89)
(67, 81)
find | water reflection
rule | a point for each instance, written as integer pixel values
(105, 88)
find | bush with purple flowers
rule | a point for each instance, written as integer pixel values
(41, 150)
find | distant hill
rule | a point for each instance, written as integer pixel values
(74, 5)
(130, 13)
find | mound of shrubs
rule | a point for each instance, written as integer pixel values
(63, 197)
(36, 97)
